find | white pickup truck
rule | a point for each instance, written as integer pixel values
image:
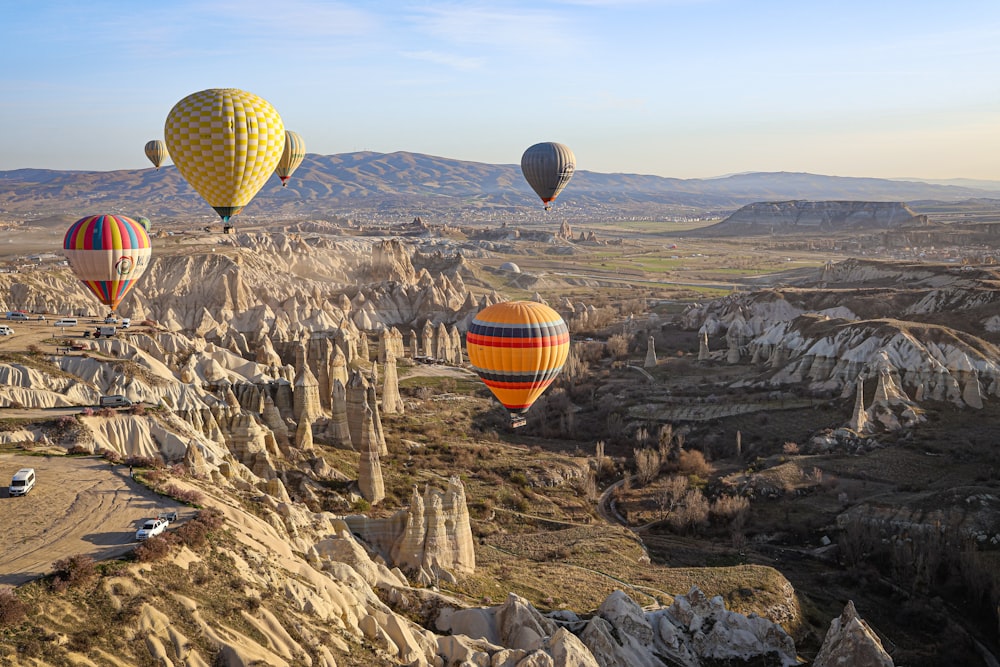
(153, 527)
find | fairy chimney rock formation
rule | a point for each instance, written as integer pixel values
(371, 400)
(431, 539)
(851, 641)
(357, 400)
(442, 343)
(703, 346)
(306, 403)
(455, 350)
(304, 435)
(392, 403)
(859, 420)
(427, 340)
(369, 467)
(337, 430)
(272, 419)
(338, 367)
(650, 353)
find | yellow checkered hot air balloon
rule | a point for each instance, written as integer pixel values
(517, 348)
(226, 143)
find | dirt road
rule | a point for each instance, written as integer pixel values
(78, 506)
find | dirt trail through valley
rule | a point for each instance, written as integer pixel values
(78, 506)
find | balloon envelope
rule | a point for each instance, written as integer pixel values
(144, 223)
(291, 157)
(156, 151)
(548, 167)
(517, 348)
(108, 253)
(226, 143)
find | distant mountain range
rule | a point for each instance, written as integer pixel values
(391, 184)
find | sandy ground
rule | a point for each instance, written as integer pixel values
(78, 506)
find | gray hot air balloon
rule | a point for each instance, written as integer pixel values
(548, 167)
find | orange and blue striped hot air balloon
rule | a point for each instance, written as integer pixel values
(517, 348)
(107, 253)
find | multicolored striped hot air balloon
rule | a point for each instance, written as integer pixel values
(107, 253)
(291, 158)
(517, 348)
(226, 143)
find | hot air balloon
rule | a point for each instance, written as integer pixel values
(226, 143)
(548, 167)
(107, 253)
(144, 223)
(156, 151)
(291, 157)
(517, 348)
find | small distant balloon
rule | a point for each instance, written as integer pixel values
(108, 253)
(157, 153)
(226, 143)
(144, 223)
(548, 167)
(291, 157)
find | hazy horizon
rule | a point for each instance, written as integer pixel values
(675, 88)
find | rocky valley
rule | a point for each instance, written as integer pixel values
(797, 467)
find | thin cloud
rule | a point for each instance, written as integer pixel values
(463, 63)
(515, 29)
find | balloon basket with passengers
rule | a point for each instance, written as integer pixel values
(517, 348)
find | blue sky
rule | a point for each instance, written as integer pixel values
(681, 88)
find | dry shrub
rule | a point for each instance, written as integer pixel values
(73, 572)
(691, 513)
(12, 609)
(153, 549)
(692, 462)
(143, 461)
(187, 496)
(110, 455)
(618, 346)
(78, 450)
(728, 508)
(107, 413)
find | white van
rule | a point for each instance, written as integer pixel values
(17, 315)
(115, 401)
(65, 322)
(24, 481)
(126, 322)
(6, 330)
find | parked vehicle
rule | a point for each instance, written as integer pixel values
(65, 322)
(169, 517)
(6, 331)
(17, 315)
(23, 481)
(105, 330)
(151, 528)
(126, 322)
(115, 401)
(110, 319)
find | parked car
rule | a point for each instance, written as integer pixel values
(65, 322)
(6, 331)
(151, 528)
(17, 315)
(169, 517)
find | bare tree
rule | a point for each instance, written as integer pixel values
(647, 465)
